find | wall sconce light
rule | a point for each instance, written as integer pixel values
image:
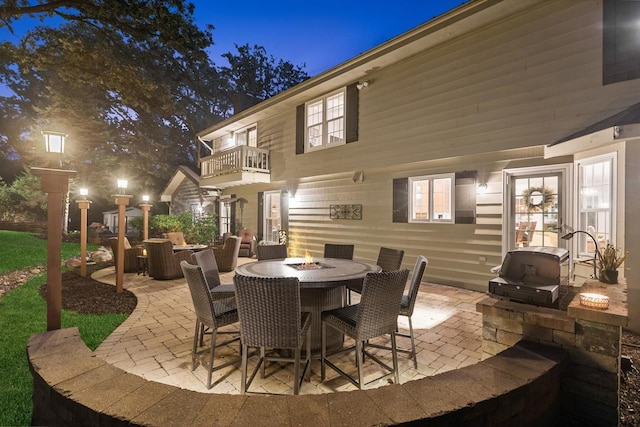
(570, 235)
(54, 142)
(122, 186)
(362, 85)
(482, 188)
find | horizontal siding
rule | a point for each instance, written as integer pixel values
(485, 101)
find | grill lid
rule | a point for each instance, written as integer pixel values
(535, 265)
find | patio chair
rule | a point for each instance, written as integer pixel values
(206, 260)
(176, 237)
(227, 255)
(212, 314)
(388, 259)
(248, 242)
(524, 233)
(407, 305)
(271, 252)
(375, 315)
(131, 254)
(270, 318)
(338, 251)
(163, 263)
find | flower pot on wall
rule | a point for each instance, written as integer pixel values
(609, 276)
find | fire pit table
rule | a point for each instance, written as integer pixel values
(322, 287)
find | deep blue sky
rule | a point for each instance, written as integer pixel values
(320, 34)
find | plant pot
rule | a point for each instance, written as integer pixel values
(609, 276)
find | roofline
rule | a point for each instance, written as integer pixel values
(444, 27)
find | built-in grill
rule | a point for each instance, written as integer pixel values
(536, 275)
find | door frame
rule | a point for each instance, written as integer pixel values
(565, 193)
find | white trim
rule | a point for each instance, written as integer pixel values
(452, 195)
(325, 132)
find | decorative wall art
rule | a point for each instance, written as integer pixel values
(345, 211)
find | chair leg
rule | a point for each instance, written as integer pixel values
(308, 361)
(194, 350)
(243, 370)
(394, 356)
(296, 372)
(359, 362)
(211, 358)
(323, 351)
(264, 362)
(413, 345)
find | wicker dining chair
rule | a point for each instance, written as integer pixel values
(207, 262)
(375, 315)
(271, 252)
(388, 259)
(270, 318)
(338, 251)
(212, 314)
(227, 255)
(407, 305)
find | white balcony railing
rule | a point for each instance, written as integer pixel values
(237, 159)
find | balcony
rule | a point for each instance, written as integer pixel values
(237, 166)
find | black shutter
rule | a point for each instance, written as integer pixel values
(465, 197)
(353, 95)
(300, 129)
(260, 216)
(401, 200)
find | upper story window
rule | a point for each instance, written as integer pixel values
(325, 121)
(331, 120)
(431, 198)
(247, 136)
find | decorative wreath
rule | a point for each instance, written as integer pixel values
(538, 199)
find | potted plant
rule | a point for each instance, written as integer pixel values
(610, 259)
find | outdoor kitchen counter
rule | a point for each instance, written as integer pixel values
(616, 314)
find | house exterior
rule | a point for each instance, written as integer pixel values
(110, 219)
(499, 124)
(182, 192)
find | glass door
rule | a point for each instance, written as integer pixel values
(272, 217)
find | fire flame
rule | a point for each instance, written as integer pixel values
(308, 259)
(184, 243)
(144, 252)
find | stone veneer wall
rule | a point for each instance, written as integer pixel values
(591, 338)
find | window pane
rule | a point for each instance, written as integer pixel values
(442, 198)
(335, 130)
(335, 106)
(595, 203)
(420, 200)
(314, 113)
(315, 136)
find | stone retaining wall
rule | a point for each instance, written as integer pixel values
(519, 386)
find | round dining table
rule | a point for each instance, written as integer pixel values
(322, 287)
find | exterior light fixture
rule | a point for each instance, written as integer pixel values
(145, 198)
(84, 192)
(122, 186)
(54, 142)
(482, 189)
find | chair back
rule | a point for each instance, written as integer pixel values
(416, 279)
(246, 235)
(200, 295)
(269, 311)
(207, 262)
(379, 305)
(390, 259)
(176, 237)
(271, 252)
(227, 257)
(338, 251)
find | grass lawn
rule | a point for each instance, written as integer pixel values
(24, 313)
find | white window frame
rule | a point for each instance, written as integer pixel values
(324, 121)
(246, 136)
(431, 216)
(612, 158)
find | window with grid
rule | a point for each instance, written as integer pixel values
(595, 201)
(431, 198)
(325, 121)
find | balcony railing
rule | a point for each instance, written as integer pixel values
(238, 159)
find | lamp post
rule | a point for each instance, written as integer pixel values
(122, 200)
(83, 205)
(146, 206)
(54, 182)
(570, 235)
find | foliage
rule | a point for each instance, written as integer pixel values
(20, 250)
(23, 201)
(23, 313)
(129, 81)
(610, 257)
(198, 229)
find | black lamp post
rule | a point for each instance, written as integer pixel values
(570, 235)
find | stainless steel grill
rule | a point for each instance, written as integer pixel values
(534, 275)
